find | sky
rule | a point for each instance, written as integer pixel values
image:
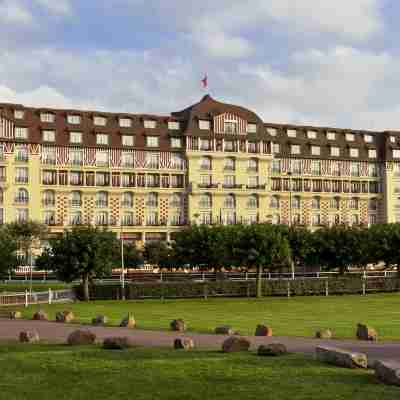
(318, 62)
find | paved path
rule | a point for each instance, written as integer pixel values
(58, 332)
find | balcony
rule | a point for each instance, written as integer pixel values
(232, 186)
(256, 187)
(46, 181)
(208, 185)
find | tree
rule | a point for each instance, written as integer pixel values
(82, 253)
(261, 246)
(25, 234)
(384, 242)
(159, 253)
(8, 253)
(133, 258)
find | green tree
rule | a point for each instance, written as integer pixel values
(25, 235)
(159, 253)
(384, 244)
(133, 258)
(82, 253)
(8, 253)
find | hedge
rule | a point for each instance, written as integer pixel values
(227, 288)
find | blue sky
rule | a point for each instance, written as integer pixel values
(324, 62)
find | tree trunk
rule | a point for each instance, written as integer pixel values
(259, 281)
(85, 284)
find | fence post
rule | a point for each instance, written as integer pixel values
(247, 275)
(363, 287)
(203, 276)
(205, 291)
(50, 296)
(26, 298)
(288, 288)
(326, 288)
(161, 277)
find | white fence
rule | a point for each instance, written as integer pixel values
(46, 297)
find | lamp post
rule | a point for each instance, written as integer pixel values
(122, 263)
(290, 216)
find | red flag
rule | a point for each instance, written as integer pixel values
(204, 81)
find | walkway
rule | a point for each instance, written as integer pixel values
(58, 332)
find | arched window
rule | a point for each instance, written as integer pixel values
(205, 163)
(76, 198)
(252, 201)
(335, 203)
(127, 199)
(152, 200)
(205, 201)
(101, 199)
(48, 198)
(274, 202)
(229, 201)
(22, 196)
(316, 203)
(296, 201)
(176, 200)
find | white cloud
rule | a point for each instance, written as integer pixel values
(13, 12)
(56, 7)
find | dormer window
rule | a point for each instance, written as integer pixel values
(312, 134)
(392, 139)
(251, 128)
(19, 114)
(292, 133)
(204, 125)
(100, 121)
(150, 124)
(173, 125)
(47, 117)
(350, 137)
(74, 119)
(125, 122)
(368, 138)
(272, 131)
(331, 135)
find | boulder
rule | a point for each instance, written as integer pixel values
(272, 349)
(262, 330)
(128, 322)
(178, 325)
(323, 334)
(235, 344)
(81, 337)
(29, 337)
(365, 332)
(183, 343)
(341, 358)
(388, 372)
(99, 320)
(117, 343)
(224, 330)
(40, 316)
(65, 316)
(15, 315)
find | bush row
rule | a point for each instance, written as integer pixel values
(298, 287)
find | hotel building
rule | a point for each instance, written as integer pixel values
(148, 176)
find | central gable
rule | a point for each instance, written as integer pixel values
(230, 124)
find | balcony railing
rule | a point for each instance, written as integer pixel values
(101, 204)
(232, 186)
(48, 202)
(21, 158)
(22, 200)
(208, 185)
(75, 203)
(262, 187)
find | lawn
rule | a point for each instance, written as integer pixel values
(60, 372)
(296, 316)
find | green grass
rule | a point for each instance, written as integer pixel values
(60, 372)
(296, 316)
(36, 286)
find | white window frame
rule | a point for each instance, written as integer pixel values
(272, 131)
(19, 114)
(368, 138)
(372, 153)
(48, 135)
(396, 153)
(354, 152)
(176, 143)
(316, 150)
(251, 128)
(276, 148)
(312, 134)
(73, 137)
(74, 119)
(204, 125)
(150, 124)
(125, 122)
(152, 141)
(292, 133)
(98, 120)
(295, 149)
(21, 132)
(128, 140)
(174, 125)
(350, 137)
(47, 117)
(331, 135)
(102, 138)
(335, 151)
